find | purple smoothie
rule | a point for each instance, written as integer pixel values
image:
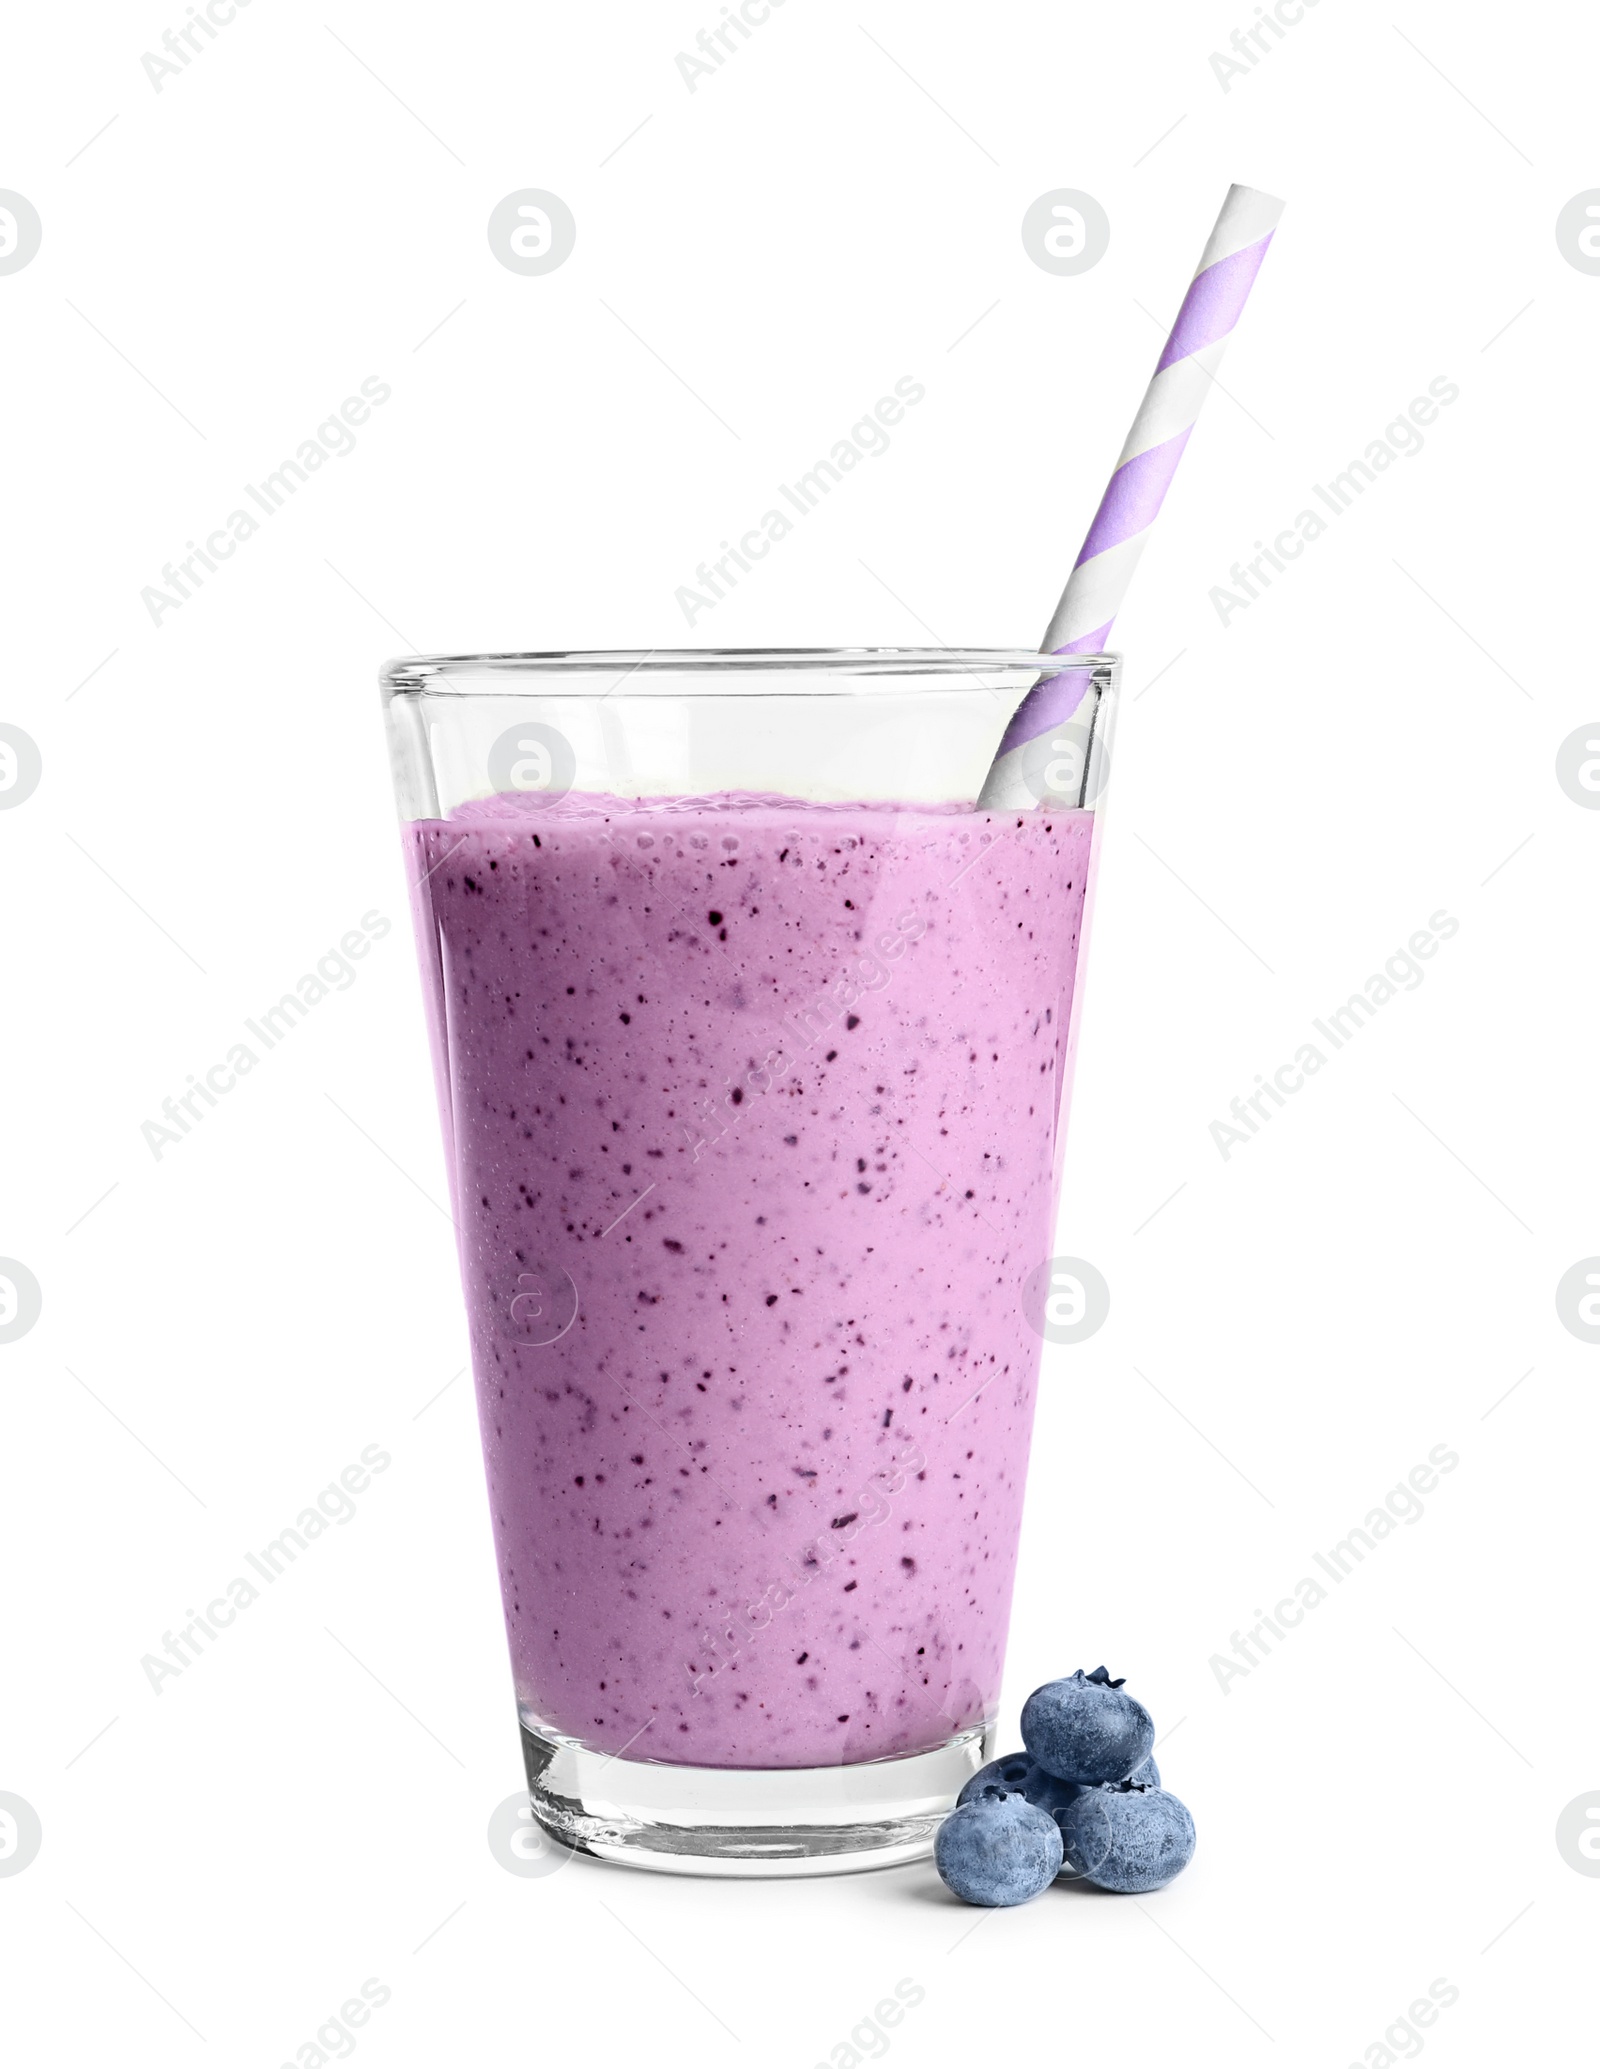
(752, 1109)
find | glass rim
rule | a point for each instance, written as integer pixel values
(462, 674)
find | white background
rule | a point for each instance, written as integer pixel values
(1292, 1329)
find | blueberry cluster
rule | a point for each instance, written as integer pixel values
(1084, 1801)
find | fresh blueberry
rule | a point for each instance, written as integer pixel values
(1019, 1774)
(1086, 1729)
(1126, 1838)
(998, 1849)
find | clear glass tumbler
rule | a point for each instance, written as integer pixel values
(752, 1037)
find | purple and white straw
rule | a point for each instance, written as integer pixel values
(1134, 494)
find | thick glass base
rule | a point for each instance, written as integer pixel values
(747, 1821)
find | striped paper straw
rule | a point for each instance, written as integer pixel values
(1134, 494)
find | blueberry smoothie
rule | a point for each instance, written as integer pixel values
(752, 1109)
